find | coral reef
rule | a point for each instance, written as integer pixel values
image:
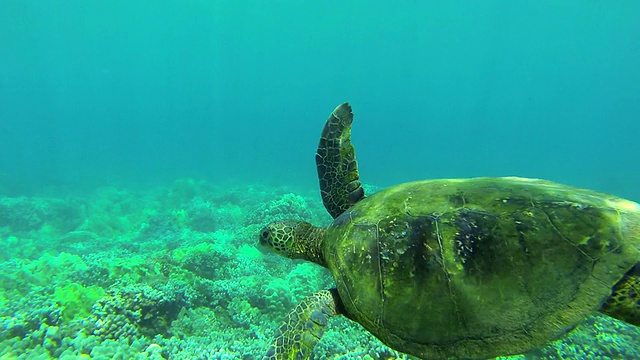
(138, 310)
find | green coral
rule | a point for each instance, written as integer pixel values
(288, 206)
(20, 277)
(76, 300)
(205, 259)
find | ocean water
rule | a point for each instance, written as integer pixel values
(145, 143)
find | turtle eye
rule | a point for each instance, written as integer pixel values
(264, 236)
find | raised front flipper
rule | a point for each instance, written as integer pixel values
(336, 163)
(304, 327)
(624, 303)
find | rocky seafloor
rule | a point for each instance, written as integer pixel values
(173, 272)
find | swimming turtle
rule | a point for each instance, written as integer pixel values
(457, 268)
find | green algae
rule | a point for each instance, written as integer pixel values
(76, 300)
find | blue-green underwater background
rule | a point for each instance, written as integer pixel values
(143, 144)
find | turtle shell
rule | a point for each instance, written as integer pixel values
(477, 268)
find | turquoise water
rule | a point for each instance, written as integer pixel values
(144, 144)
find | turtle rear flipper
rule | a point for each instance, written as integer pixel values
(304, 326)
(336, 163)
(624, 303)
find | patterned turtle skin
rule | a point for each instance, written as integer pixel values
(458, 268)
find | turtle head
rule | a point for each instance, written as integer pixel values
(279, 237)
(294, 239)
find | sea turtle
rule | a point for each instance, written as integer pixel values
(457, 268)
